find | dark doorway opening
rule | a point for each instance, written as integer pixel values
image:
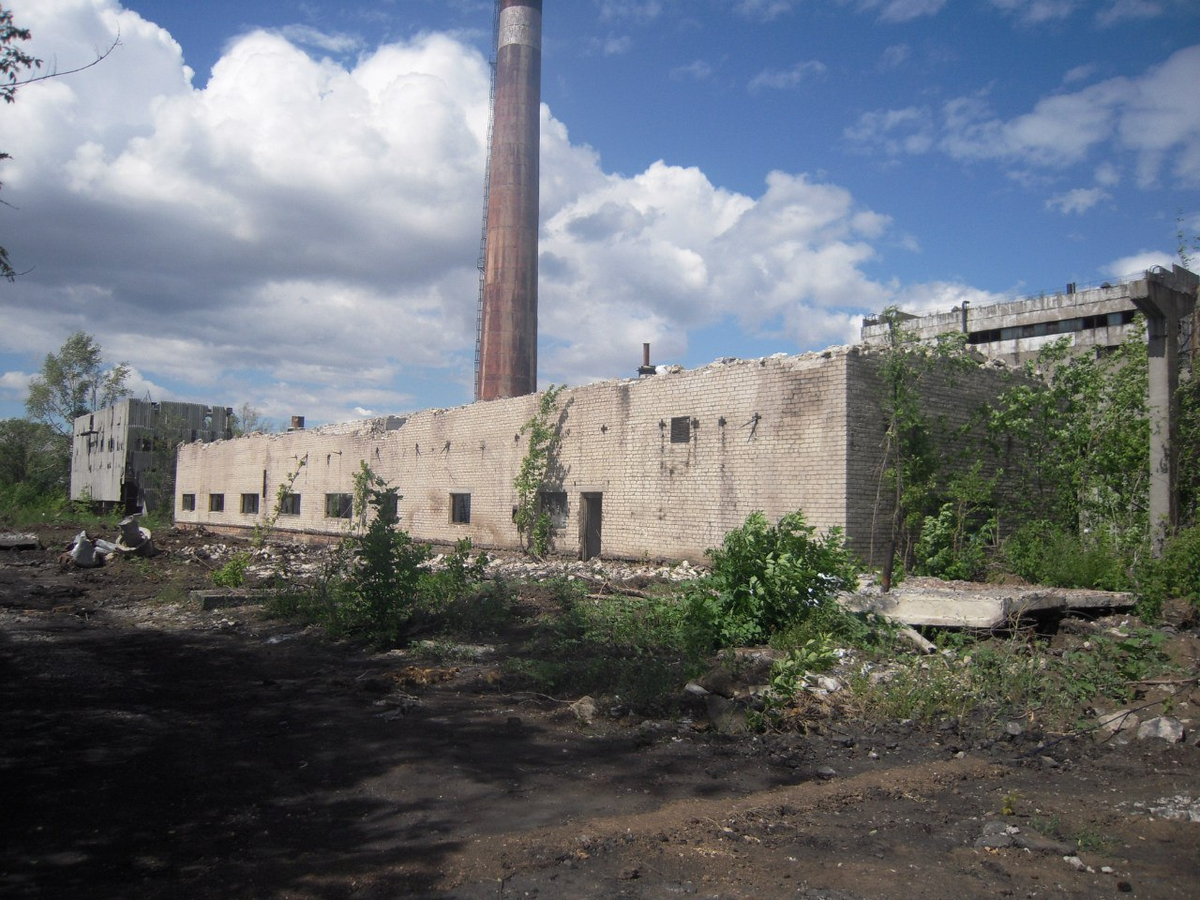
(592, 507)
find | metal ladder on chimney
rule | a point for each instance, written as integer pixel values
(487, 187)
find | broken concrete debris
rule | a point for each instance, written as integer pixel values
(930, 602)
(15, 541)
(86, 553)
(1166, 728)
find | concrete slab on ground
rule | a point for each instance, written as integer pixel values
(968, 605)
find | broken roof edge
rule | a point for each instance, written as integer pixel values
(378, 425)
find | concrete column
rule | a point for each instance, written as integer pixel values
(1164, 299)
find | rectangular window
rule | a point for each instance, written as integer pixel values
(188, 502)
(338, 506)
(460, 509)
(554, 505)
(216, 503)
(389, 507)
(681, 430)
(289, 505)
(250, 504)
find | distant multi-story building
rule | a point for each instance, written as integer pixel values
(1098, 319)
(124, 455)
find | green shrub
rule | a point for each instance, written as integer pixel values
(950, 547)
(1175, 574)
(380, 591)
(765, 579)
(233, 573)
(1044, 553)
(454, 580)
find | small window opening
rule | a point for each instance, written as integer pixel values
(460, 509)
(216, 503)
(338, 506)
(289, 505)
(681, 429)
(187, 502)
(250, 504)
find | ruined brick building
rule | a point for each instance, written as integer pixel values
(660, 466)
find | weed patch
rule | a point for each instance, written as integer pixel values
(988, 680)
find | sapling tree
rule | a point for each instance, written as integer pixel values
(533, 523)
(73, 382)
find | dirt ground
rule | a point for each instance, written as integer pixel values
(149, 748)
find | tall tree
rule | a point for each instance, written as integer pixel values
(13, 61)
(32, 459)
(249, 419)
(74, 382)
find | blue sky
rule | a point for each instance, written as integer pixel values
(278, 203)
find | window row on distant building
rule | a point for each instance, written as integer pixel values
(341, 506)
(337, 506)
(1061, 326)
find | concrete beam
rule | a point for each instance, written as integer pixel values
(971, 607)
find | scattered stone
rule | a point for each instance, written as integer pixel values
(1014, 729)
(726, 716)
(1179, 808)
(828, 684)
(1078, 864)
(718, 680)
(585, 710)
(1114, 723)
(1038, 843)
(1165, 728)
(995, 836)
(827, 772)
(695, 690)
(753, 664)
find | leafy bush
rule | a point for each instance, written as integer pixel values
(765, 579)
(950, 547)
(1045, 553)
(454, 579)
(1175, 574)
(233, 573)
(788, 676)
(380, 590)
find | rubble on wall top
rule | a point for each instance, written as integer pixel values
(380, 425)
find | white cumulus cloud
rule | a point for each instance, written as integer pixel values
(1079, 200)
(302, 231)
(782, 79)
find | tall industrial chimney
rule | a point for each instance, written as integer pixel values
(507, 358)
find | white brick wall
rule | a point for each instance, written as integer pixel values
(776, 434)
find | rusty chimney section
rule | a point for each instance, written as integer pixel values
(645, 368)
(507, 364)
